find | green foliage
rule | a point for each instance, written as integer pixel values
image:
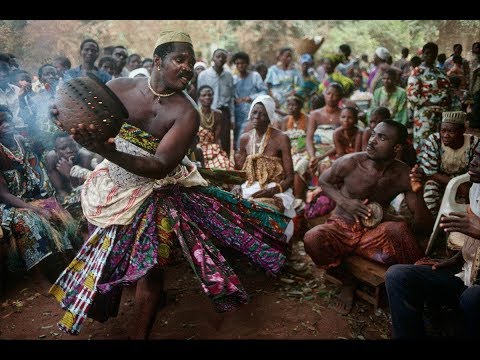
(11, 35)
(364, 36)
(36, 41)
(262, 39)
(14, 24)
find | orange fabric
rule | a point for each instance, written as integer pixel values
(389, 243)
(302, 122)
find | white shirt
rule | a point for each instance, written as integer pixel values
(471, 245)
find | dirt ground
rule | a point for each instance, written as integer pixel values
(290, 306)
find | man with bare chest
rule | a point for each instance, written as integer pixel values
(147, 204)
(354, 181)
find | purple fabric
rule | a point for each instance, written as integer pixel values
(320, 205)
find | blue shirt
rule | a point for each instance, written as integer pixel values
(78, 72)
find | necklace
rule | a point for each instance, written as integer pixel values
(350, 139)
(206, 122)
(158, 94)
(263, 142)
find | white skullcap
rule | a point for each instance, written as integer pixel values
(199, 64)
(139, 71)
(382, 53)
(269, 104)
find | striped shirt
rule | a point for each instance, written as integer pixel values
(430, 157)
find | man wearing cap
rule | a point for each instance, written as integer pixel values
(380, 65)
(428, 92)
(453, 282)
(444, 155)
(146, 202)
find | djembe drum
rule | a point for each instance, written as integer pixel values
(375, 218)
(86, 100)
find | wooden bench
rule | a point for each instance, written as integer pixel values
(367, 272)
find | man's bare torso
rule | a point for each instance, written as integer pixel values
(145, 111)
(364, 182)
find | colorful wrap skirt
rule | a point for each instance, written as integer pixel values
(172, 218)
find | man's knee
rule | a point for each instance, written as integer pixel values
(311, 237)
(397, 273)
(396, 227)
(470, 300)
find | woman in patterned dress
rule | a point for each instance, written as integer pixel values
(210, 130)
(34, 223)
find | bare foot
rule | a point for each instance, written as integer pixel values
(343, 302)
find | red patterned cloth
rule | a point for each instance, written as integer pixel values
(389, 243)
(213, 154)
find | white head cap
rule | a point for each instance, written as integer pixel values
(269, 104)
(199, 64)
(382, 53)
(139, 72)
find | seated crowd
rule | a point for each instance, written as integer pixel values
(308, 147)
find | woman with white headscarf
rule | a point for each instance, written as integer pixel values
(265, 155)
(140, 72)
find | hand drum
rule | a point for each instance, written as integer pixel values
(86, 100)
(376, 217)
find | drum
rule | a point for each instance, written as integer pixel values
(376, 217)
(86, 100)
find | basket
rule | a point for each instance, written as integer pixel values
(307, 46)
(86, 100)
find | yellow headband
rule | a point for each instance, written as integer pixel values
(172, 36)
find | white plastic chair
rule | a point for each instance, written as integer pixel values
(448, 205)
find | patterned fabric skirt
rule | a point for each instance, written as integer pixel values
(173, 216)
(31, 238)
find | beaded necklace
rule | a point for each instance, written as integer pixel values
(158, 94)
(207, 122)
(263, 142)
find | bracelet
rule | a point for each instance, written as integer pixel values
(280, 188)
